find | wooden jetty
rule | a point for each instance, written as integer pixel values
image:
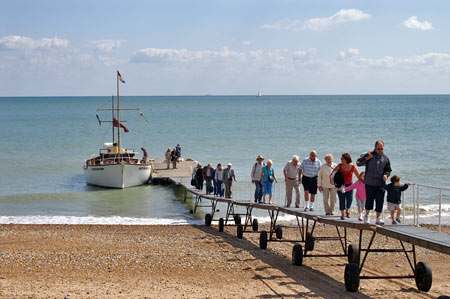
(160, 171)
(356, 254)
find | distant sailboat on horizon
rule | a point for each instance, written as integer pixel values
(259, 94)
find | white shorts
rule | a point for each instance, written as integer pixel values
(393, 206)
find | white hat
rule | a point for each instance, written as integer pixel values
(229, 164)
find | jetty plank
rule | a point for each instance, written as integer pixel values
(183, 170)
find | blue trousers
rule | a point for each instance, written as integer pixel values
(258, 191)
(345, 199)
(218, 190)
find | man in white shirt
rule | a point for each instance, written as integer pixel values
(256, 178)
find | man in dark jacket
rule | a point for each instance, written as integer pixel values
(378, 169)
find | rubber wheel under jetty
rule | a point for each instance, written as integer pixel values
(353, 254)
(424, 276)
(240, 231)
(279, 232)
(208, 219)
(309, 243)
(351, 277)
(221, 224)
(237, 219)
(297, 255)
(263, 240)
(255, 225)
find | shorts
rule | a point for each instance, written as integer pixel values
(360, 203)
(310, 184)
(393, 206)
(374, 194)
(268, 188)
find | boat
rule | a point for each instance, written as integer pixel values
(259, 94)
(114, 166)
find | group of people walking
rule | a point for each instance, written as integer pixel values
(218, 181)
(335, 181)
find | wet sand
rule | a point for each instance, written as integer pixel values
(101, 261)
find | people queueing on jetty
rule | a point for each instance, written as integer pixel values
(360, 194)
(309, 169)
(173, 157)
(292, 178)
(267, 178)
(168, 157)
(256, 178)
(378, 169)
(228, 177)
(347, 168)
(394, 198)
(328, 190)
(199, 177)
(208, 176)
(218, 179)
(178, 152)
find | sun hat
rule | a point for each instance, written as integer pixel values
(259, 157)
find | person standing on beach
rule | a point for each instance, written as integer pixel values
(325, 186)
(228, 176)
(218, 179)
(378, 169)
(208, 176)
(256, 178)
(292, 178)
(174, 158)
(345, 198)
(168, 157)
(310, 168)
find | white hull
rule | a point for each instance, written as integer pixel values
(117, 175)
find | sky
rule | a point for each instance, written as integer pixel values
(73, 48)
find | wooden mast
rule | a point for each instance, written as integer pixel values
(112, 110)
(118, 114)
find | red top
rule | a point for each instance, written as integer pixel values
(348, 175)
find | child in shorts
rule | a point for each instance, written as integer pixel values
(360, 194)
(394, 198)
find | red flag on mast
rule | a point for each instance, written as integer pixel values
(116, 124)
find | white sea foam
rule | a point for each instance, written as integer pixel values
(113, 220)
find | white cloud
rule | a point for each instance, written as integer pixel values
(285, 24)
(182, 55)
(350, 53)
(304, 55)
(340, 17)
(246, 43)
(107, 45)
(414, 23)
(26, 43)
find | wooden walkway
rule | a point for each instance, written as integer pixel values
(160, 171)
(306, 222)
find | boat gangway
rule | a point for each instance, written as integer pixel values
(239, 213)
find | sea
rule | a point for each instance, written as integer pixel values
(45, 141)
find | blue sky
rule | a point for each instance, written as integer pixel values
(224, 47)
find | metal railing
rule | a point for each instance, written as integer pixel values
(416, 203)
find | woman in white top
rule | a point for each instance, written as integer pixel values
(325, 186)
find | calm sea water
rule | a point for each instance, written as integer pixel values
(45, 140)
